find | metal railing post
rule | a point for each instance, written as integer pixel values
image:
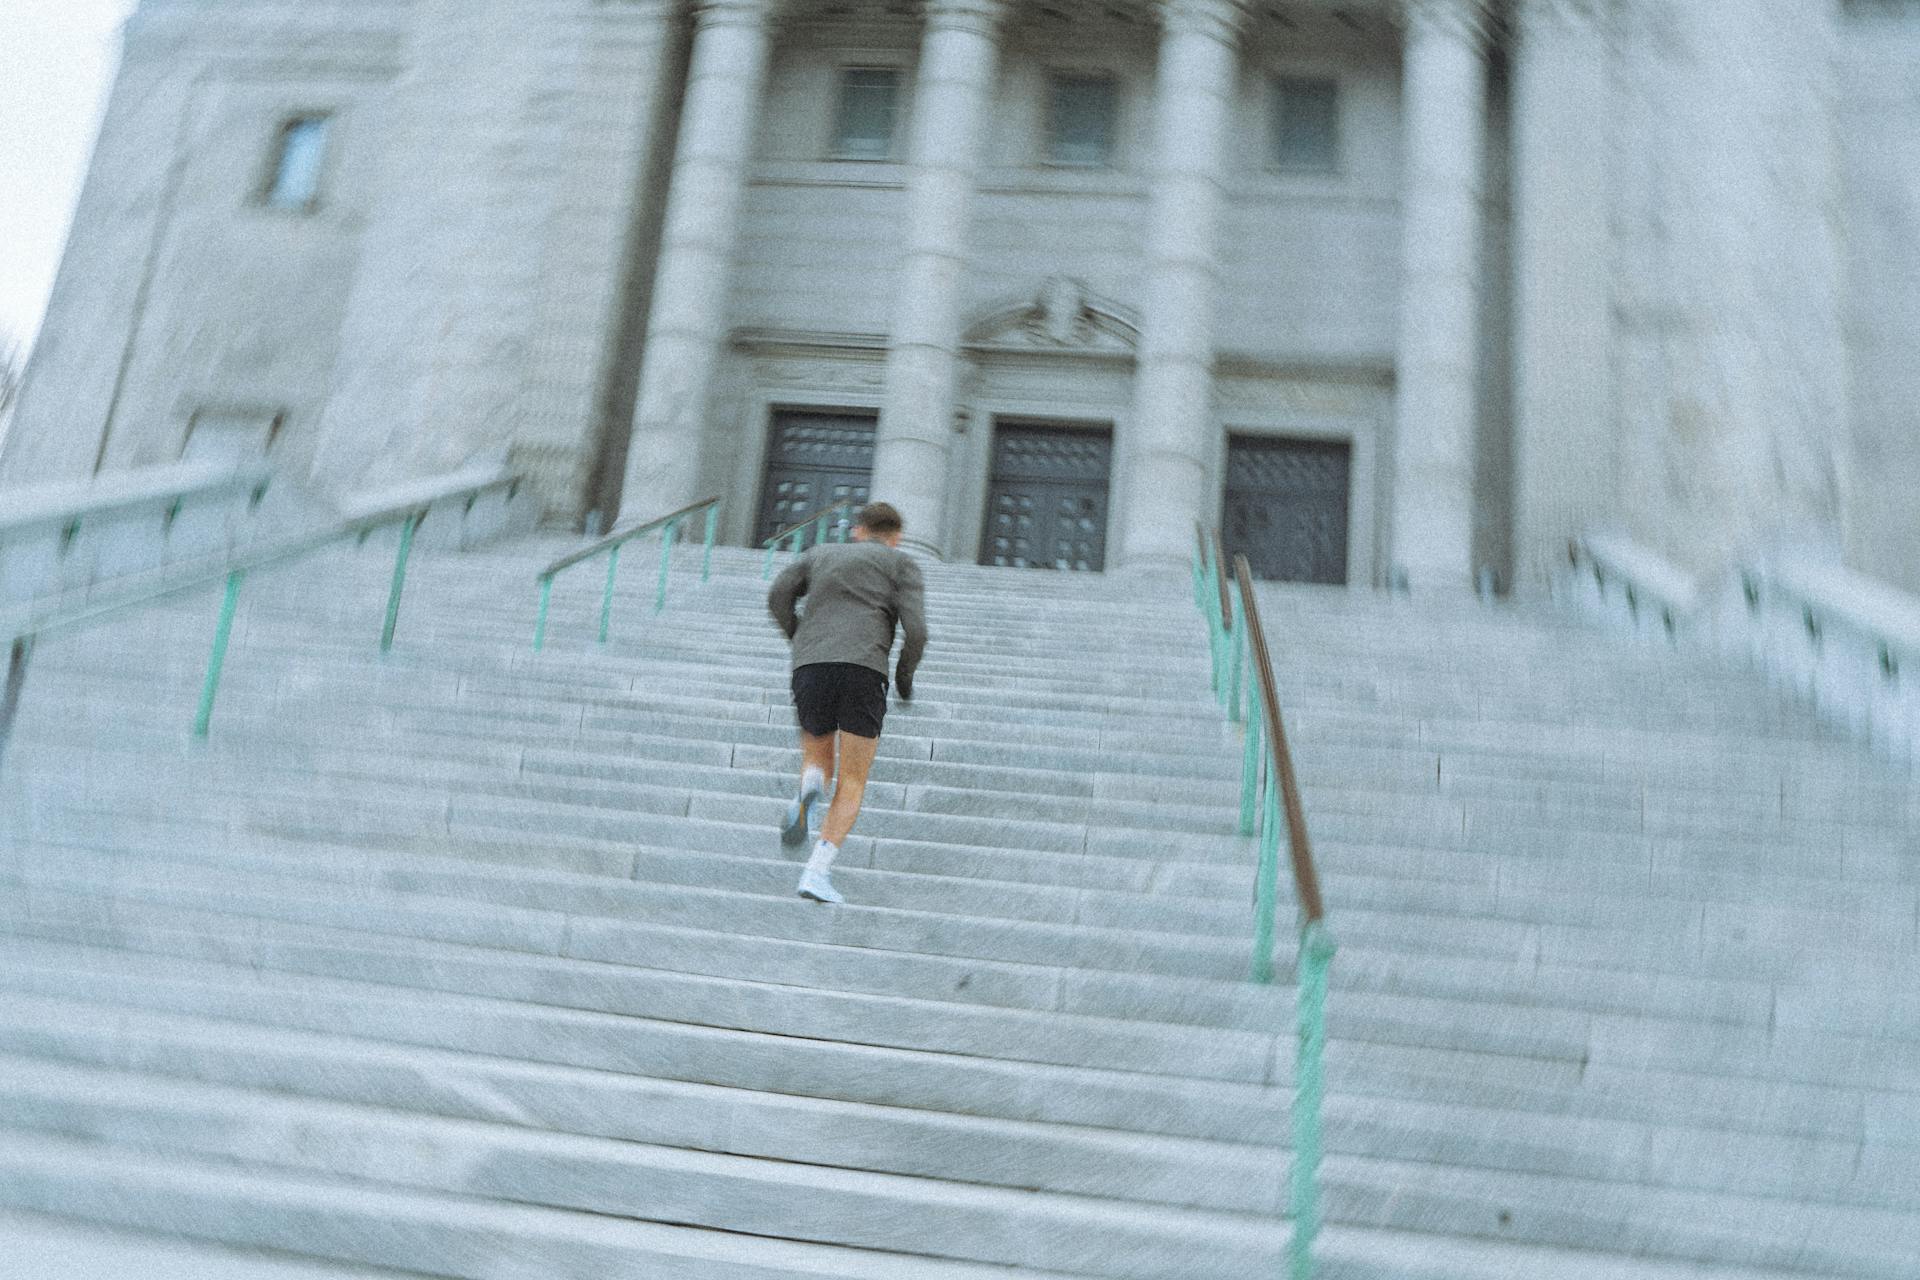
(540, 623)
(1237, 663)
(407, 527)
(706, 556)
(211, 685)
(1309, 1090)
(820, 531)
(666, 562)
(19, 651)
(606, 600)
(1250, 767)
(1216, 636)
(1267, 882)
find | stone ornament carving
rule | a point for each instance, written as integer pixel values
(1063, 316)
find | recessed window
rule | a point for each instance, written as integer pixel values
(867, 113)
(1306, 124)
(1080, 119)
(299, 156)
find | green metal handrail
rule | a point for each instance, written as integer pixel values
(1269, 790)
(669, 526)
(796, 533)
(25, 628)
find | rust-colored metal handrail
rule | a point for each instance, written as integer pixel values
(1306, 878)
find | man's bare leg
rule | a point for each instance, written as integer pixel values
(856, 762)
(816, 775)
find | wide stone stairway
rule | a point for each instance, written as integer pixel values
(471, 961)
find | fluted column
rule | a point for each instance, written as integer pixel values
(1444, 105)
(1564, 456)
(1164, 462)
(687, 322)
(958, 53)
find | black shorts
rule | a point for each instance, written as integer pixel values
(839, 695)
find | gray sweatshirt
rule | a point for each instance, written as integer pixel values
(856, 592)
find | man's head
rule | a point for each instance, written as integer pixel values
(878, 522)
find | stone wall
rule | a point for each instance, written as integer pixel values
(1731, 362)
(1309, 262)
(180, 292)
(1879, 126)
(484, 309)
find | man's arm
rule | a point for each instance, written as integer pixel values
(909, 605)
(785, 594)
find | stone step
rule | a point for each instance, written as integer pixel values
(1094, 1097)
(42, 1247)
(768, 1004)
(881, 1211)
(1037, 952)
(354, 1221)
(943, 1219)
(1182, 1172)
(915, 1142)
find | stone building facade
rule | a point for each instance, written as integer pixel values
(1401, 291)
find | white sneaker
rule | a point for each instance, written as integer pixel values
(795, 830)
(818, 885)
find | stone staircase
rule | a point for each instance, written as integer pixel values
(475, 962)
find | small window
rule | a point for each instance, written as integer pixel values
(1080, 120)
(868, 111)
(1306, 125)
(299, 155)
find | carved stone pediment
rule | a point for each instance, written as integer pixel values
(1064, 318)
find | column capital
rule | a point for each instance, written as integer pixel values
(1469, 20)
(980, 16)
(1555, 15)
(733, 13)
(1222, 20)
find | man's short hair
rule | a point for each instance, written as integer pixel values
(879, 517)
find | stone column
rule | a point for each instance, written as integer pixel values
(1444, 107)
(1564, 456)
(1163, 479)
(951, 93)
(687, 323)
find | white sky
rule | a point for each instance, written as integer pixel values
(56, 62)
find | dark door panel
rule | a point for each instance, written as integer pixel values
(1047, 499)
(813, 459)
(1286, 507)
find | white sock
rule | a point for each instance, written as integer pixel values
(822, 860)
(813, 778)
